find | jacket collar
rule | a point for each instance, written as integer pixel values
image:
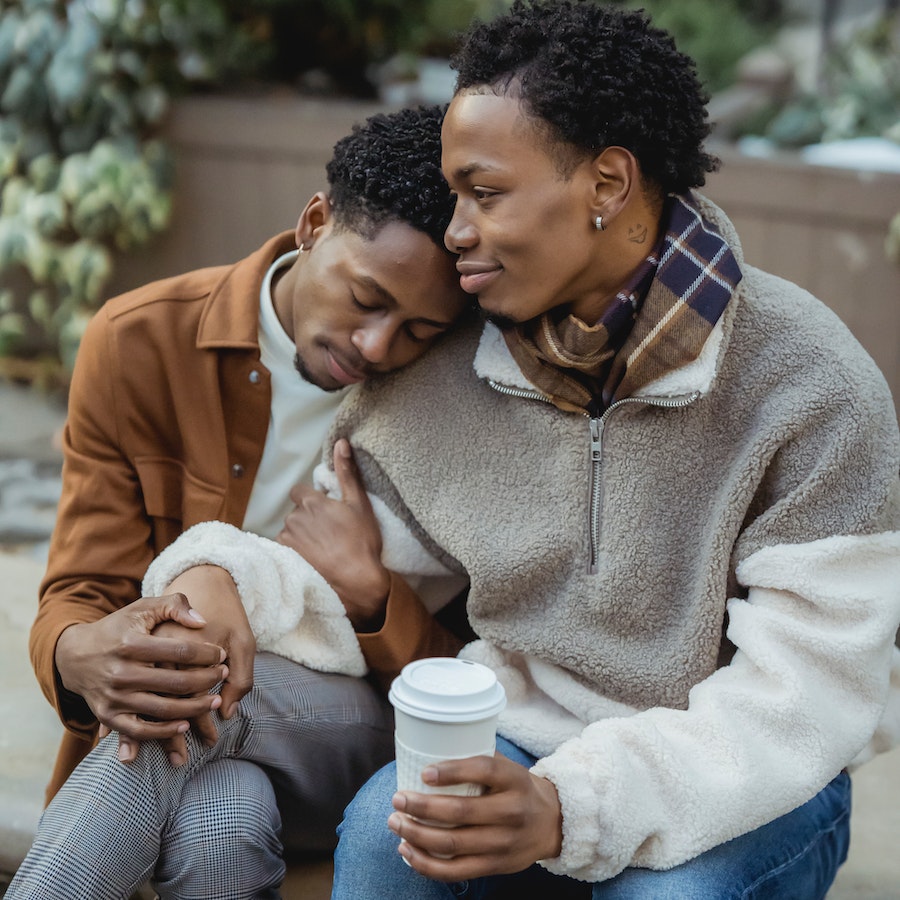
(230, 317)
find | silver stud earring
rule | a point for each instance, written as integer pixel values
(598, 223)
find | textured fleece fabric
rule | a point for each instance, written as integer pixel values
(730, 649)
(311, 629)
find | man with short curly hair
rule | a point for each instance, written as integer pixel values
(187, 404)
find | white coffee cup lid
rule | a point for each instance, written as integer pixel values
(445, 689)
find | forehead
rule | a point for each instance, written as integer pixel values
(405, 267)
(488, 131)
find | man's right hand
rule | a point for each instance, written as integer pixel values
(144, 686)
(213, 594)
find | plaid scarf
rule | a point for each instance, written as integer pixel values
(658, 322)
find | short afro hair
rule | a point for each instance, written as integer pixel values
(388, 169)
(596, 76)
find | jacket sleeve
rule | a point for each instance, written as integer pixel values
(409, 632)
(813, 625)
(100, 509)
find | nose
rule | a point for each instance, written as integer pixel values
(460, 234)
(374, 340)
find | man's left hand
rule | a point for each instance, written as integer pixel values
(341, 540)
(517, 821)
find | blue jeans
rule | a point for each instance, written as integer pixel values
(793, 858)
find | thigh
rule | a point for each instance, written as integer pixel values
(366, 862)
(793, 858)
(318, 736)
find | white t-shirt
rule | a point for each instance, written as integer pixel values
(300, 418)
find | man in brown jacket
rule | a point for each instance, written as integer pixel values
(185, 406)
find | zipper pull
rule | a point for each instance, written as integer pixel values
(596, 430)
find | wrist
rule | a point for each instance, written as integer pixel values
(66, 645)
(554, 830)
(366, 604)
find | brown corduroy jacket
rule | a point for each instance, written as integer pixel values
(167, 418)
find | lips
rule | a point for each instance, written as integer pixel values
(342, 372)
(474, 277)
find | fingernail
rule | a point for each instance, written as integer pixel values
(343, 448)
(398, 801)
(430, 775)
(175, 759)
(124, 753)
(394, 823)
(183, 728)
(193, 614)
(225, 671)
(216, 702)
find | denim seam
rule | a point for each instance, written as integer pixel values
(845, 814)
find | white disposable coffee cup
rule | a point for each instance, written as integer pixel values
(444, 708)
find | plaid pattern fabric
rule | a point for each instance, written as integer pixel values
(695, 279)
(211, 829)
(568, 359)
(658, 322)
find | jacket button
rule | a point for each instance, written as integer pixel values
(237, 471)
(254, 377)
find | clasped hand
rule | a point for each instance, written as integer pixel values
(146, 670)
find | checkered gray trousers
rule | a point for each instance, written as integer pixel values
(215, 828)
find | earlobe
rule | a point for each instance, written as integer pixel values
(316, 214)
(615, 174)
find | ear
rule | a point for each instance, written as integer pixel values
(315, 216)
(616, 180)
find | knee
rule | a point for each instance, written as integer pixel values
(226, 803)
(224, 840)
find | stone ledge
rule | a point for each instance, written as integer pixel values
(30, 730)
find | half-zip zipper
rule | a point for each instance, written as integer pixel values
(597, 424)
(521, 393)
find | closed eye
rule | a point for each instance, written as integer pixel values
(422, 332)
(360, 305)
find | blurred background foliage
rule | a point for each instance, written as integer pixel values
(857, 93)
(85, 86)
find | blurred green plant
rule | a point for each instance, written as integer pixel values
(859, 95)
(84, 88)
(716, 34)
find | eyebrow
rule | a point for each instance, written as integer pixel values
(390, 299)
(471, 169)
